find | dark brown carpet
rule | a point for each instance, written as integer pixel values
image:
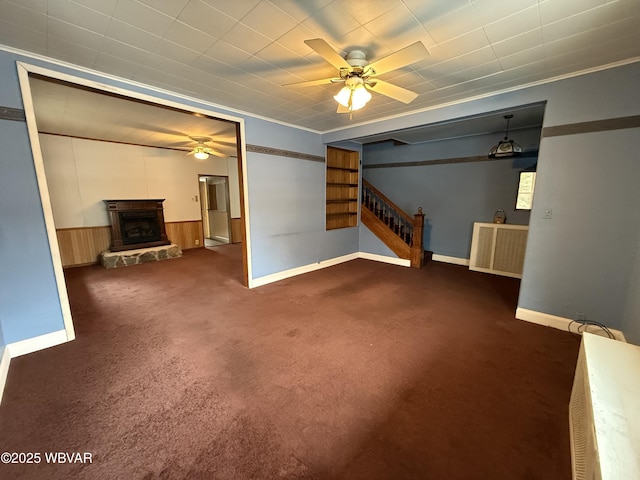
(359, 371)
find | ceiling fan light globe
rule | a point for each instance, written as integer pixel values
(201, 155)
(360, 97)
(343, 96)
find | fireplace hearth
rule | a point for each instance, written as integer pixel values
(136, 224)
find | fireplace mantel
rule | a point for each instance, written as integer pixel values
(136, 224)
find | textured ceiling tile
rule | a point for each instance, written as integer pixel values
(234, 8)
(363, 39)
(171, 8)
(294, 39)
(489, 11)
(125, 51)
(189, 37)
(206, 19)
(78, 15)
(513, 25)
(115, 65)
(279, 22)
(465, 43)
(579, 23)
(406, 79)
(142, 17)
(301, 10)
(463, 66)
(399, 28)
(468, 75)
(331, 22)
(524, 57)
(366, 10)
(24, 17)
(453, 24)
(554, 10)
(227, 53)
(36, 5)
(103, 6)
(70, 33)
(429, 11)
(521, 42)
(27, 39)
(71, 52)
(245, 38)
(276, 54)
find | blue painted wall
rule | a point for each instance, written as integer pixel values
(2, 341)
(286, 206)
(29, 304)
(453, 196)
(582, 260)
(287, 203)
(370, 243)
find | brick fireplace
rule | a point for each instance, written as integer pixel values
(136, 224)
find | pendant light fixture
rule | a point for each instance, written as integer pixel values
(506, 148)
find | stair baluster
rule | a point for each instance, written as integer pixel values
(407, 230)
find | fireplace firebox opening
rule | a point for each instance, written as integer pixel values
(136, 224)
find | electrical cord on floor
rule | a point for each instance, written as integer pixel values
(583, 324)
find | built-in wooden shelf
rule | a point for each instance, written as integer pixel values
(343, 176)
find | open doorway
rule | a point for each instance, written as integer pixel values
(158, 133)
(215, 205)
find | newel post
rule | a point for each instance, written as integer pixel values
(416, 241)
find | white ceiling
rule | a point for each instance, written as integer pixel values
(64, 109)
(239, 53)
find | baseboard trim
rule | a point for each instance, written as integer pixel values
(34, 344)
(561, 323)
(293, 272)
(312, 267)
(5, 360)
(26, 346)
(385, 259)
(453, 260)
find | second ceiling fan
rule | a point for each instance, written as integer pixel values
(360, 76)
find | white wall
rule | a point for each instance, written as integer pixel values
(82, 173)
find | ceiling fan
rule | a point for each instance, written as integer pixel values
(200, 146)
(202, 151)
(359, 76)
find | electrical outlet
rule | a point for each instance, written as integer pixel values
(197, 241)
(547, 214)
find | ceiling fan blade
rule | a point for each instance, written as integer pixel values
(342, 109)
(210, 151)
(217, 153)
(408, 55)
(393, 91)
(323, 49)
(312, 83)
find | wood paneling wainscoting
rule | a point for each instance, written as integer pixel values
(81, 246)
(185, 234)
(236, 230)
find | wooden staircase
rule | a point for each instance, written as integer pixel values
(397, 230)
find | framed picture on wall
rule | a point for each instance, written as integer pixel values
(526, 186)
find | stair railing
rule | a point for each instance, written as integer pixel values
(408, 228)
